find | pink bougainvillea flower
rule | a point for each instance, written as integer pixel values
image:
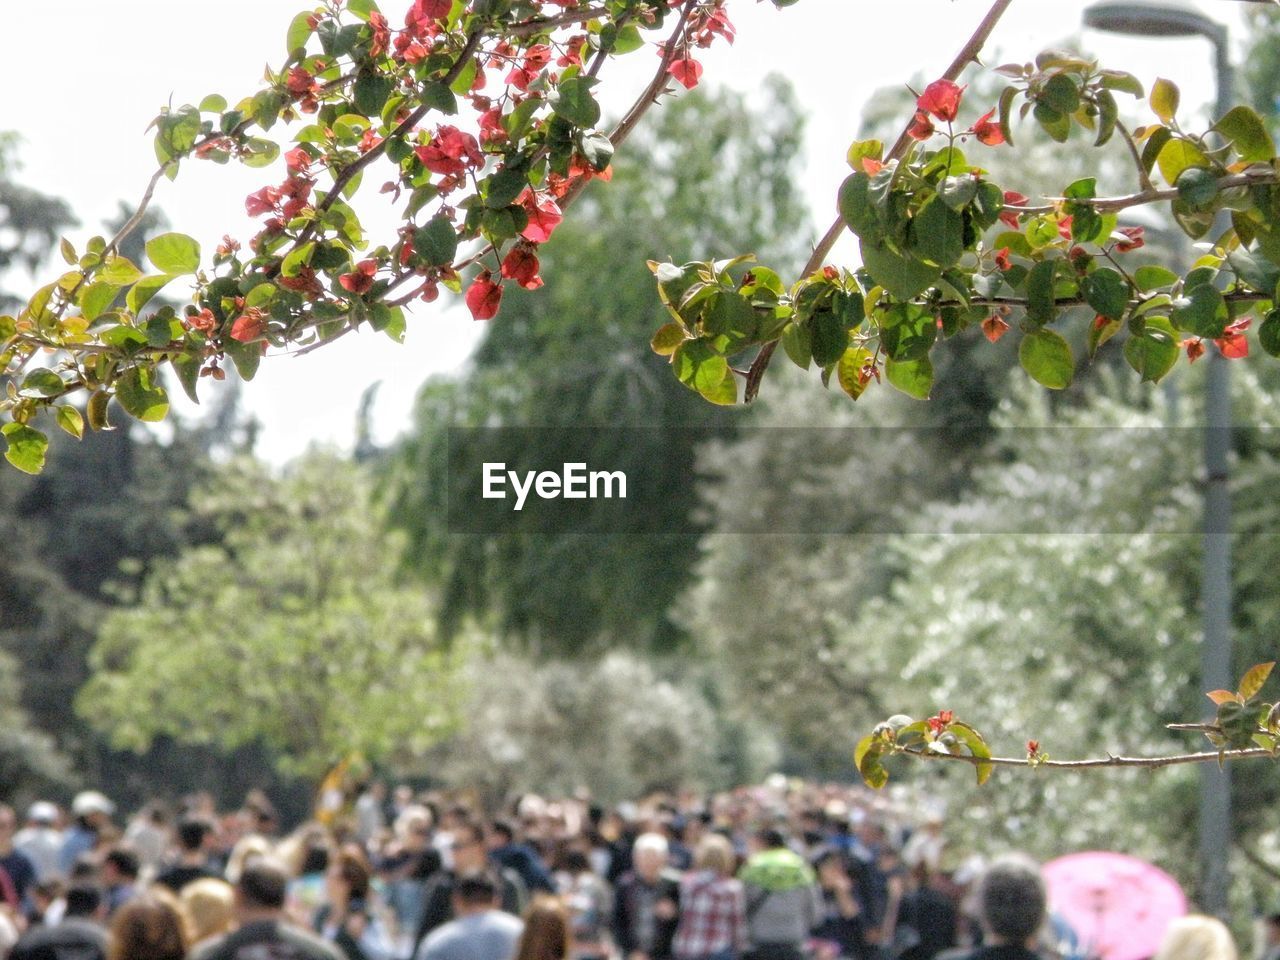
(1002, 259)
(686, 71)
(921, 126)
(381, 33)
(993, 328)
(941, 99)
(484, 296)
(986, 131)
(360, 279)
(250, 325)
(1194, 347)
(1012, 199)
(544, 217)
(262, 201)
(521, 265)
(1135, 239)
(450, 151)
(1233, 344)
(297, 160)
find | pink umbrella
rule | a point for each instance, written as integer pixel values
(1119, 905)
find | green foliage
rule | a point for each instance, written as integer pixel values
(291, 631)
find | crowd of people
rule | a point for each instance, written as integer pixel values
(778, 872)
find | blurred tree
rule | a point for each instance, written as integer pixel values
(707, 175)
(291, 632)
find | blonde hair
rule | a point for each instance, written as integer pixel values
(210, 906)
(715, 852)
(1197, 938)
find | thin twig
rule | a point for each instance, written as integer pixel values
(966, 56)
(1148, 763)
(562, 20)
(1144, 179)
(1113, 204)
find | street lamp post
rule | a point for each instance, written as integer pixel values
(1153, 19)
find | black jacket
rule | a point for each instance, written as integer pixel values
(75, 938)
(626, 909)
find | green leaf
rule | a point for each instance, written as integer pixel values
(1046, 356)
(1056, 125)
(437, 242)
(26, 447)
(1122, 82)
(141, 396)
(597, 149)
(187, 367)
(1041, 307)
(504, 186)
(1248, 134)
(161, 330)
(1197, 187)
(958, 192)
(439, 97)
(1164, 99)
(140, 293)
(1252, 681)
(1100, 334)
(70, 420)
(1179, 155)
(830, 337)
(1269, 333)
(937, 233)
(295, 260)
(1152, 277)
(866, 757)
(120, 271)
(912, 377)
(798, 344)
(1153, 351)
(1107, 292)
(857, 209)
(668, 337)
(1260, 274)
(371, 92)
(1108, 117)
(903, 278)
(1202, 312)
(259, 152)
(42, 383)
(849, 370)
(361, 8)
(907, 332)
(977, 746)
(175, 254)
(1061, 94)
(572, 100)
(299, 32)
(246, 357)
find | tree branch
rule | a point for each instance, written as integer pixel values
(1148, 763)
(968, 54)
(1113, 204)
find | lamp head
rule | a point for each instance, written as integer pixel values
(1142, 18)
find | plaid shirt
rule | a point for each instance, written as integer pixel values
(713, 916)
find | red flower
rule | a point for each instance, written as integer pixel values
(360, 279)
(535, 59)
(484, 296)
(450, 151)
(250, 325)
(263, 201)
(871, 166)
(1233, 344)
(300, 82)
(1136, 239)
(491, 128)
(686, 71)
(411, 51)
(921, 126)
(941, 99)
(204, 321)
(1033, 747)
(941, 721)
(1002, 259)
(1064, 227)
(381, 33)
(993, 328)
(297, 160)
(544, 217)
(521, 265)
(298, 190)
(304, 281)
(425, 12)
(228, 246)
(1195, 348)
(369, 140)
(986, 131)
(1010, 217)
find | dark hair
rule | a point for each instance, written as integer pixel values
(191, 833)
(471, 830)
(148, 927)
(355, 870)
(1011, 898)
(316, 859)
(125, 860)
(504, 828)
(476, 889)
(83, 900)
(575, 861)
(262, 884)
(771, 837)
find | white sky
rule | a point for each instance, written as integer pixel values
(81, 80)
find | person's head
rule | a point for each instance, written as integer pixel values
(192, 834)
(714, 853)
(474, 893)
(574, 861)
(1012, 903)
(469, 851)
(121, 866)
(769, 838)
(84, 900)
(348, 875)
(413, 827)
(210, 907)
(502, 833)
(649, 855)
(1197, 938)
(261, 887)
(149, 926)
(42, 813)
(1272, 931)
(546, 930)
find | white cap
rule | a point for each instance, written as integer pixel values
(91, 801)
(42, 811)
